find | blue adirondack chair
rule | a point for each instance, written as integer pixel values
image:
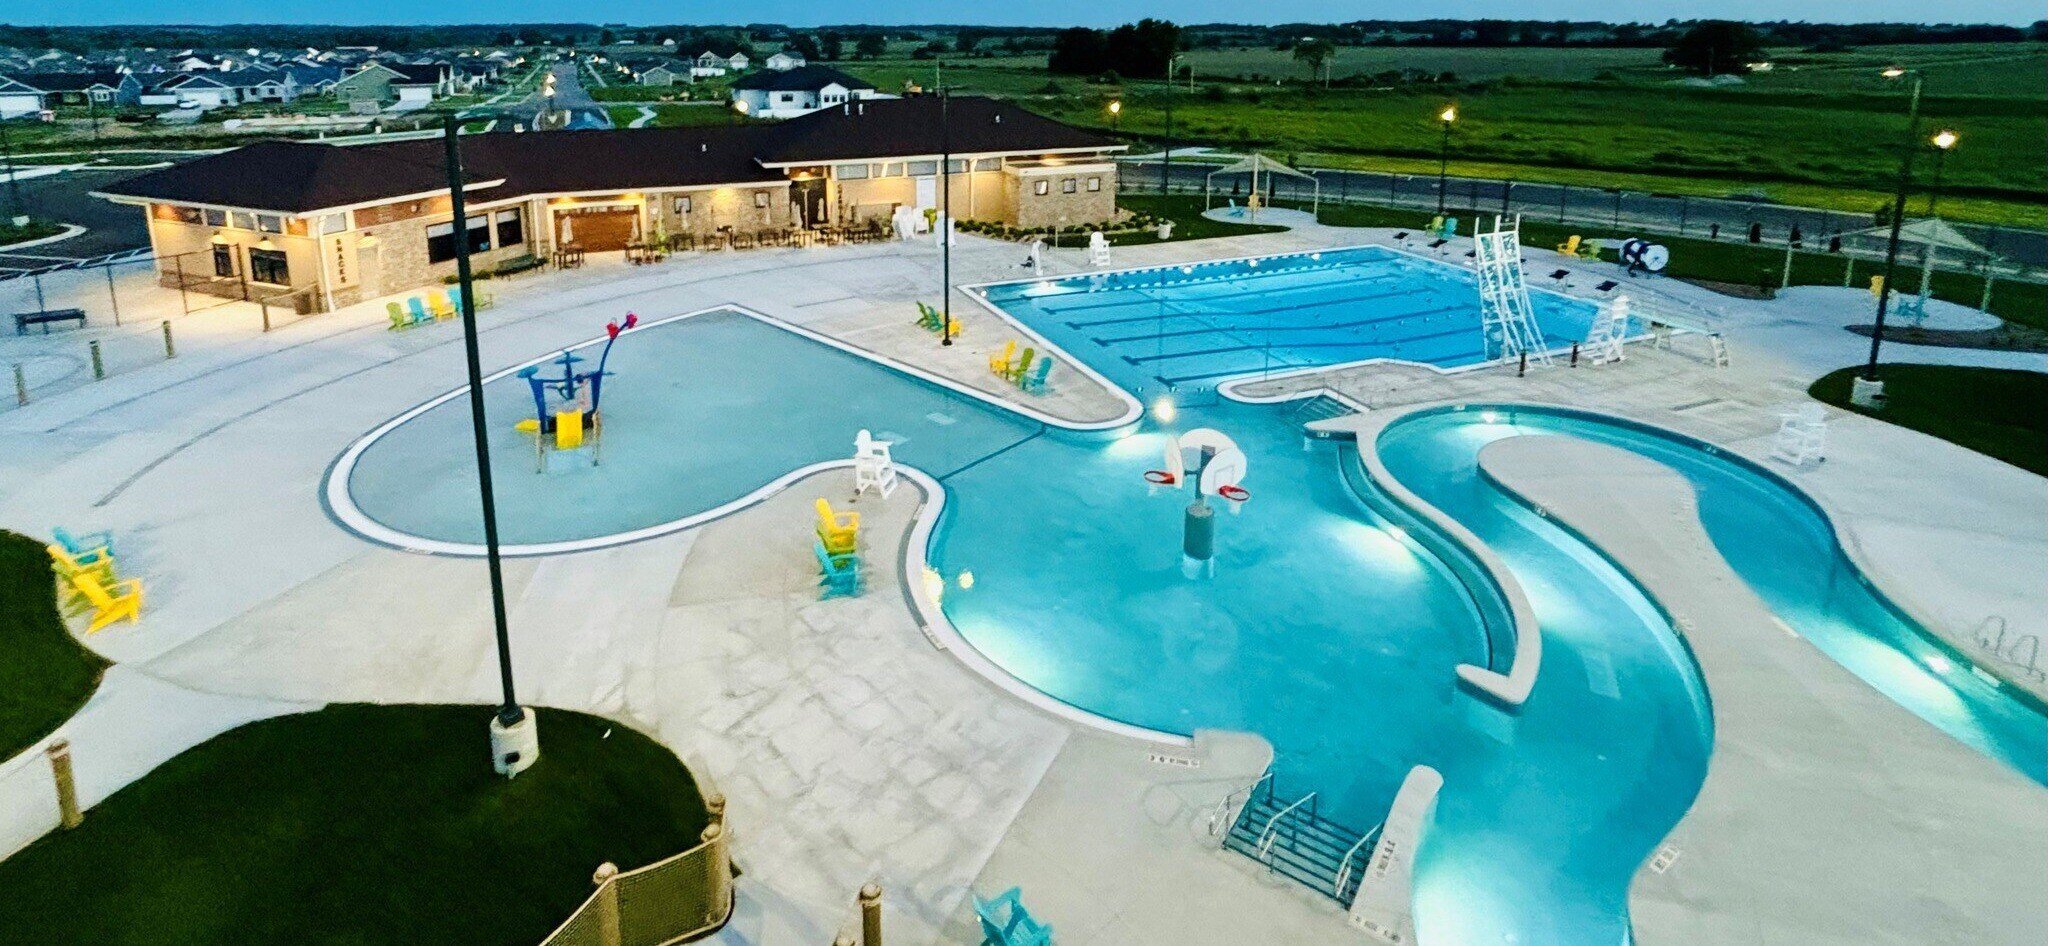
(86, 548)
(418, 309)
(1033, 382)
(838, 572)
(1005, 922)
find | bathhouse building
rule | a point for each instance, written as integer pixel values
(316, 226)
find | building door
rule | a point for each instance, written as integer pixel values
(927, 193)
(809, 196)
(596, 228)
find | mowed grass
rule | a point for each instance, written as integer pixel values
(1188, 222)
(1994, 411)
(45, 674)
(355, 825)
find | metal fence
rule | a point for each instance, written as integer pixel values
(670, 901)
(1711, 218)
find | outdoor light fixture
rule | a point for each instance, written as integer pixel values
(1867, 390)
(1443, 156)
(1164, 410)
(1945, 139)
(218, 238)
(369, 240)
(1449, 114)
(1893, 72)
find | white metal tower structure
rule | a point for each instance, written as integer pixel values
(1610, 324)
(1507, 323)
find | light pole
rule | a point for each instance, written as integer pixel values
(1166, 168)
(515, 736)
(1943, 140)
(1443, 155)
(946, 213)
(1868, 391)
(1116, 108)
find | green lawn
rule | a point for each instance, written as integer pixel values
(1994, 411)
(45, 674)
(34, 230)
(1188, 222)
(355, 825)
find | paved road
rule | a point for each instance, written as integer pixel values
(570, 97)
(67, 197)
(1685, 216)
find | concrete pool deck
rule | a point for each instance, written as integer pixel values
(1830, 814)
(208, 467)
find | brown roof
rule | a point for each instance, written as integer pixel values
(873, 128)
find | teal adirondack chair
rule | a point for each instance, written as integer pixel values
(1450, 228)
(1005, 922)
(86, 548)
(418, 308)
(1033, 382)
(928, 317)
(838, 572)
(1022, 367)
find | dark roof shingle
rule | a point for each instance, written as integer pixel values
(873, 128)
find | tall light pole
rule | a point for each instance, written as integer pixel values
(515, 738)
(1942, 141)
(14, 211)
(1166, 169)
(1443, 155)
(1868, 391)
(946, 212)
(1116, 108)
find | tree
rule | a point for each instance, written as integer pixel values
(1079, 51)
(1715, 46)
(831, 45)
(967, 39)
(871, 46)
(1316, 54)
(606, 37)
(1143, 48)
(803, 44)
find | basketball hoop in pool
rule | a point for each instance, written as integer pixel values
(1213, 463)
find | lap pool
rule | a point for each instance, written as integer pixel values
(1330, 626)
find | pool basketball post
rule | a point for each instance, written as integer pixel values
(515, 740)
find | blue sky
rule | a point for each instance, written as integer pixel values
(1020, 12)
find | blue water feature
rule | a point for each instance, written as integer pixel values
(1333, 622)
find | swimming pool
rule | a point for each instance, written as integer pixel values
(1193, 326)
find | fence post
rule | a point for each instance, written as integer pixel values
(607, 904)
(1785, 281)
(1848, 271)
(99, 367)
(20, 386)
(170, 350)
(264, 306)
(1983, 302)
(1617, 210)
(1684, 212)
(184, 301)
(1563, 190)
(871, 915)
(69, 814)
(113, 298)
(1507, 191)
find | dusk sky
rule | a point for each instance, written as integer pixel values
(1017, 12)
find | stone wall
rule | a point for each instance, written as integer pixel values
(1056, 207)
(743, 209)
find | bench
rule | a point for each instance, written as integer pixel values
(22, 320)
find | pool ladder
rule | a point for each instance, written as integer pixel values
(1293, 840)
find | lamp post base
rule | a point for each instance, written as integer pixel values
(515, 747)
(1867, 392)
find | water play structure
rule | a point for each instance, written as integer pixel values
(565, 405)
(1210, 462)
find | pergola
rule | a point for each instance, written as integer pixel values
(1256, 164)
(1937, 244)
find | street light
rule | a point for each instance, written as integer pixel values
(1943, 140)
(1867, 390)
(1443, 157)
(1116, 108)
(1166, 169)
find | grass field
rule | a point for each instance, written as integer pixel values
(45, 674)
(1188, 222)
(354, 825)
(1994, 411)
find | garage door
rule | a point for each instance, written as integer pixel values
(595, 229)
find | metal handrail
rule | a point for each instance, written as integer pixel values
(1267, 837)
(1220, 816)
(1344, 872)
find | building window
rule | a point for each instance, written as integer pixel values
(440, 242)
(892, 169)
(988, 164)
(242, 220)
(761, 200)
(511, 229)
(333, 223)
(223, 259)
(216, 218)
(270, 223)
(957, 166)
(479, 233)
(682, 206)
(1041, 187)
(1067, 185)
(268, 266)
(850, 172)
(922, 168)
(1094, 184)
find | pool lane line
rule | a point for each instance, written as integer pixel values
(1283, 307)
(1330, 327)
(1054, 309)
(1403, 340)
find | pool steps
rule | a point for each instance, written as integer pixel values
(1292, 840)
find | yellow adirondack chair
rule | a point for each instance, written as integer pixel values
(1569, 247)
(67, 566)
(438, 301)
(110, 602)
(840, 531)
(999, 363)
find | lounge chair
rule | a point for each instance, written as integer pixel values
(85, 546)
(838, 572)
(1005, 922)
(399, 318)
(1033, 382)
(1016, 373)
(999, 363)
(1606, 285)
(482, 299)
(418, 308)
(109, 602)
(1560, 274)
(1450, 228)
(1590, 249)
(1436, 223)
(1437, 243)
(1403, 235)
(839, 532)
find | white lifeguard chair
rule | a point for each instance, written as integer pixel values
(1098, 248)
(1037, 257)
(873, 467)
(1802, 436)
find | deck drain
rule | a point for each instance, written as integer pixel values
(1663, 859)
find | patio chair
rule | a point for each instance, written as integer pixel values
(1016, 373)
(482, 299)
(66, 564)
(110, 602)
(1590, 249)
(999, 363)
(399, 318)
(1606, 285)
(928, 317)
(1450, 228)
(88, 546)
(1033, 382)
(418, 310)
(440, 305)
(838, 572)
(1569, 247)
(838, 532)
(1560, 274)
(1005, 922)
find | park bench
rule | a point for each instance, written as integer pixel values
(22, 320)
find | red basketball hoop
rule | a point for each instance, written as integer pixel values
(1159, 477)
(1234, 493)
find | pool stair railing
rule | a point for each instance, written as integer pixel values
(1293, 840)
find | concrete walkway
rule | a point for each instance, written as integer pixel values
(1830, 815)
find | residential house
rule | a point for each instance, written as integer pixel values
(784, 61)
(54, 89)
(17, 99)
(799, 91)
(343, 224)
(192, 89)
(379, 84)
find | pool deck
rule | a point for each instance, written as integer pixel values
(208, 467)
(1830, 814)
